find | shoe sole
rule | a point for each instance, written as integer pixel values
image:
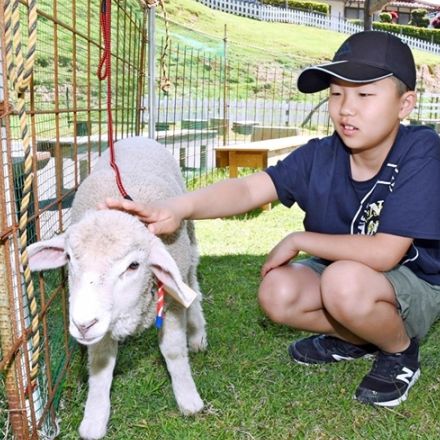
(399, 400)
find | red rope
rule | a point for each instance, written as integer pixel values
(104, 72)
(160, 304)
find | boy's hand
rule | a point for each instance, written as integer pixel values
(281, 254)
(160, 217)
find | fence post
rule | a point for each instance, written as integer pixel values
(225, 87)
(182, 154)
(203, 157)
(15, 403)
(151, 72)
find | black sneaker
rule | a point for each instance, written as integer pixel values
(322, 349)
(392, 376)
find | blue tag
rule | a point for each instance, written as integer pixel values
(159, 321)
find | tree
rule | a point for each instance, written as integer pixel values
(371, 6)
(385, 17)
(419, 18)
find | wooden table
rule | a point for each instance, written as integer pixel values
(259, 154)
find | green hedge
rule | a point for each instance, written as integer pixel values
(431, 35)
(322, 8)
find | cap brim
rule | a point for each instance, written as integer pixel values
(317, 78)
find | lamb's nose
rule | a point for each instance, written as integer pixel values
(85, 326)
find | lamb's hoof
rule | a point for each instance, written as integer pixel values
(191, 406)
(92, 430)
(197, 342)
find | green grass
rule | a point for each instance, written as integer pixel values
(263, 58)
(278, 43)
(4, 416)
(251, 388)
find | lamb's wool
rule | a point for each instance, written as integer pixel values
(112, 257)
(149, 172)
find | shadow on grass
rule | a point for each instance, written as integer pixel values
(250, 387)
(253, 214)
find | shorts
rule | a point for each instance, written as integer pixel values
(418, 301)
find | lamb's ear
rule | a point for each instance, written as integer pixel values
(166, 270)
(47, 254)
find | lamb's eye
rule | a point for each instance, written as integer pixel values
(133, 266)
(68, 257)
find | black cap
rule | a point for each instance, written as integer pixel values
(364, 57)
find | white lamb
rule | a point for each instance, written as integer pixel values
(112, 262)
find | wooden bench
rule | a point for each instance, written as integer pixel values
(259, 154)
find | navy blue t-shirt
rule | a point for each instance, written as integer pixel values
(402, 199)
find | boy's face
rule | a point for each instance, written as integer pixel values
(367, 116)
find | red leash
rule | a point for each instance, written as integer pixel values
(104, 72)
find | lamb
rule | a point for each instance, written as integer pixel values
(111, 258)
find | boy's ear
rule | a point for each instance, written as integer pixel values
(407, 103)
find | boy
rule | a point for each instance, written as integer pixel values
(370, 193)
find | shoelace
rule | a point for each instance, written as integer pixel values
(386, 366)
(332, 344)
(338, 346)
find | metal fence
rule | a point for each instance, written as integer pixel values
(65, 112)
(217, 101)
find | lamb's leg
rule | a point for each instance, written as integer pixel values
(102, 358)
(197, 338)
(175, 352)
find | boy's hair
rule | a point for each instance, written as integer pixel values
(402, 88)
(364, 57)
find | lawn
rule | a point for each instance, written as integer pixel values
(251, 388)
(259, 41)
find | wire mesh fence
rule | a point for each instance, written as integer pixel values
(67, 121)
(214, 100)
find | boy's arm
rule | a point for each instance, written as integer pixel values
(229, 197)
(380, 252)
(225, 198)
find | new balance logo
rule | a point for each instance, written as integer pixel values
(406, 376)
